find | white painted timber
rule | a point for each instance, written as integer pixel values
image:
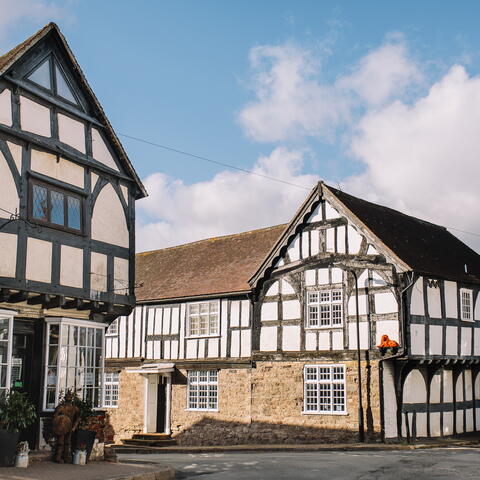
(451, 307)
(34, 117)
(101, 153)
(8, 256)
(436, 339)
(6, 107)
(385, 303)
(9, 195)
(291, 309)
(291, 338)
(268, 339)
(71, 266)
(39, 260)
(434, 305)
(71, 132)
(417, 339)
(417, 306)
(451, 340)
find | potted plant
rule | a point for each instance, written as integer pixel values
(83, 435)
(80, 455)
(21, 459)
(17, 412)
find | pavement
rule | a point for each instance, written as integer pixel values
(47, 470)
(452, 463)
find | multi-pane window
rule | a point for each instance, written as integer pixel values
(112, 330)
(74, 361)
(466, 302)
(55, 207)
(5, 346)
(203, 319)
(324, 389)
(202, 390)
(324, 308)
(111, 387)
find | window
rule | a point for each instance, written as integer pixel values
(111, 387)
(324, 389)
(203, 319)
(56, 207)
(203, 390)
(112, 330)
(466, 302)
(324, 308)
(74, 361)
(5, 351)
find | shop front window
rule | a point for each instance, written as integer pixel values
(5, 350)
(74, 361)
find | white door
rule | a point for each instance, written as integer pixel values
(151, 404)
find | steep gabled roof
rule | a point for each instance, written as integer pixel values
(425, 247)
(7, 60)
(213, 266)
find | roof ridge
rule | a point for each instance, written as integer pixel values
(209, 239)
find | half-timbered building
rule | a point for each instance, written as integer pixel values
(67, 212)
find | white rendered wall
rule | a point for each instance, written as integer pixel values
(71, 132)
(39, 260)
(417, 306)
(71, 266)
(100, 150)
(98, 272)
(451, 299)
(34, 118)
(57, 168)
(6, 108)
(9, 196)
(8, 255)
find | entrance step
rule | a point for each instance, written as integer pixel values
(148, 440)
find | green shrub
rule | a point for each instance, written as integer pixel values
(17, 412)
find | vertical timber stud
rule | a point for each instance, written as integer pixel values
(361, 428)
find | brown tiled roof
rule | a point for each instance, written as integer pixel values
(208, 267)
(427, 248)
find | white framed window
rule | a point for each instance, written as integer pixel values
(111, 389)
(74, 360)
(324, 389)
(466, 303)
(202, 390)
(203, 319)
(112, 330)
(324, 308)
(6, 326)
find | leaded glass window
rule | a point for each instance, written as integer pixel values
(203, 319)
(324, 389)
(202, 390)
(39, 202)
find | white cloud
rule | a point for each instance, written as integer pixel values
(230, 202)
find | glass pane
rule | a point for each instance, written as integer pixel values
(3, 376)
(83, 334)
(3, 329)
(62, 87)
(99, 336)
(52, 377)
(73, 213)
(53, 355)
(57, 213)
(3, 352)
(98, 356)
(53, 335)
(41, 76)
(91, 337)
(39, 202)
(50, 403)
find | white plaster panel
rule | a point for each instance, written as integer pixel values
(294, 249)
(100, 150)
(421, 424)
(108, 219)
(323, 340)
(287, 289)
(310, 277)
(124, 190)
(371, 250)
(451, 308)
(389, 400)
(478, 418)
(224, 330)
(417, 306)
(213, 347)
(157, 326)
(150, 350)
(34, 117)
(477, 308)
(167, 312)
(16, 152)
(362, 304)
(245, 315)
(235, 313)
(363, 279)
(385, 303)
(115, 349)
(330, 244)
(93, 181)
(245, 343)
(108, 347)
(436, 340)
(291, 309)
(468, 385)
(39, 260)
(98, 272)
(459, 389)
(150, 321)
(120, 276)
(280, 262)
(354, 241)
(175, 320)
(61, 169)
(323, 276)
(417, 339)
(174, 350)
(476, 344)
(451, 341)
(6, 107)
(71, 132)
(71, 266)
(235, 344)
(8, 254)
(166, 349)
(130, 338)
(9, 195)
(201, 348)
(291, 338)
(387, 327)
(414, 389)
(337, 275)
(466, 342)
(469, 420)
(337, 340)
(305, 244)
(269, 311)
(122, 329)
(330, 212)
(191, 348)
(459, 421)
(273, 289)
(434, 305)
(377, 280)
(448, 423)
(447, 386)
(352, 335)
(268, 339)
(314, 242)
(310, 340)
(341, 243)
(435, 388)
(157, 349)
(316, 215)
(435, 429)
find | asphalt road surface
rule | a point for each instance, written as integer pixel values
(439, 464)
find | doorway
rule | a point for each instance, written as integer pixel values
(157, 404)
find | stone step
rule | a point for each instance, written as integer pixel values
(136, 449)
(150, 436)
(149, 443)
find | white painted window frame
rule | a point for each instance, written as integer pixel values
(209, 383)
(8, 315)
(62, 321)
(469, 293)
(189, 315)
(330, 382)
(319, 303)
(111, 380)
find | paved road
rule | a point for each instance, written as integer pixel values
(439, 464)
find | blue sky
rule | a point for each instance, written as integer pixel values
(214, 78)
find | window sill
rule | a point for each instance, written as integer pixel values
(195, 337)
(332, 327)
(201, 410)
(110, 407)
(324, 413)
